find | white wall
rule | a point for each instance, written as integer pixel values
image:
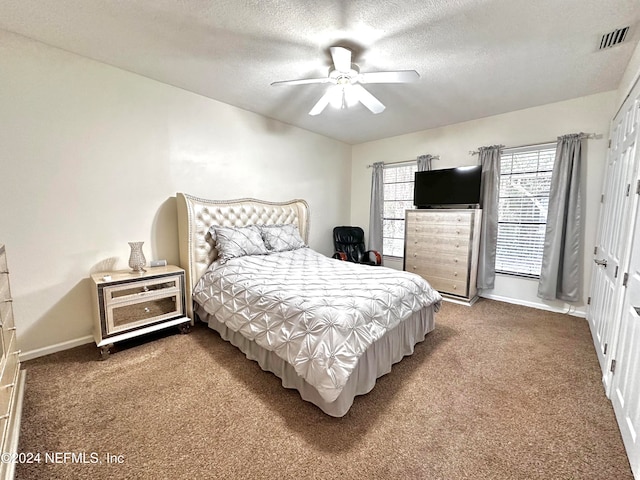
(534, 125)
(91, 158)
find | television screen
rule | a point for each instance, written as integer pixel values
(449, 186)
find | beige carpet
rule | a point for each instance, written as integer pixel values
(495, 392)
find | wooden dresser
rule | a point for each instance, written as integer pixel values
(11, 378)
(442, 247)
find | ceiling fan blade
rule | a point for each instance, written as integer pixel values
(368, 100)
(303, 81)
(400, 76)
(322, 103)
(341, 58)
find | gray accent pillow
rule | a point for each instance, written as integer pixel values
(281, 238)
(234, 242)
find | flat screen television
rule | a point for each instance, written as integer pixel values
(449, 187)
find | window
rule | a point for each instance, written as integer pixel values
(525, 180)
(398, 197)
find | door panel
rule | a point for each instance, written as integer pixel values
(626, 378)
(612, 246)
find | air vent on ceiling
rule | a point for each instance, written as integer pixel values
(614, 38)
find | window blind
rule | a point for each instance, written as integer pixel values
(398, 197)
(525, 180)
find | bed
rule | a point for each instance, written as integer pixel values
(325, 327)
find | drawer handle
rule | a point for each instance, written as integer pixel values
(4, 417)
(10, 385)
(457, 245)
(414, 267)
(11, 329)
(146, 310)
(455, 260)
(145, 288)
(454, 287)
(5, 271)
(9, 300)
(415, 254)
(455, 274)
(17, 352)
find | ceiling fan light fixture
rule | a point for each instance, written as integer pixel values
(343, 96)
(350, 96)
(346, 78)
(337, 96)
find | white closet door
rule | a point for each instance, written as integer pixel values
(626, 377)
(613, 244)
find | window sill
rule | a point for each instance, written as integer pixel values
(518, 275)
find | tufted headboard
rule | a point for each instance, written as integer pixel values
(196, 215)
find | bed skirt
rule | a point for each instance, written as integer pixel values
(374, 363)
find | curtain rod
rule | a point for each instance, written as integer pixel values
(434, 157)
(584, 135)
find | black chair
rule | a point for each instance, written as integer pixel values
(348, 243)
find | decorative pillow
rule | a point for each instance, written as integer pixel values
(237, 242)
(281, 238)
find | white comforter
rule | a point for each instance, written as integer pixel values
(317, 313)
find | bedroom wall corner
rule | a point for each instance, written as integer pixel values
(92, 157)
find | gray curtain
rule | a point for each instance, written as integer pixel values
(375, 210)
(561, 274)
(424, 162)
(489, 158)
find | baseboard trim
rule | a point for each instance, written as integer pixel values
(540, 306)
(58, 347)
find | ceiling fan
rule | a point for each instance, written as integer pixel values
(345, 79)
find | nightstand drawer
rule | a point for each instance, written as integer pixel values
(144, 310)
(125, 316)
(143, 289)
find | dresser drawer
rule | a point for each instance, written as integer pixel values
(452, 287)
(450, 260)
(9, 374)
(5, 291)
(6, 316)
(3, 263)
(440, 217)
(436, 246)
(453, 272)
(443, 230)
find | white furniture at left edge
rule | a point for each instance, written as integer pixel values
(12, 379)
(128, 304)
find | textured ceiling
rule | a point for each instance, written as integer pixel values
(476, 58)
